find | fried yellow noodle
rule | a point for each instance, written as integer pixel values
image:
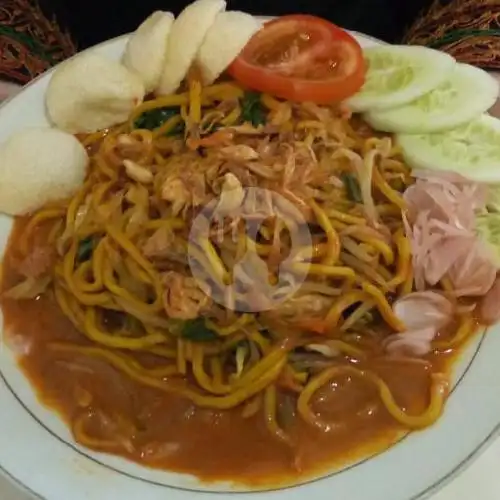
(123, 277)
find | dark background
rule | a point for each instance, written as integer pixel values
(92, 21)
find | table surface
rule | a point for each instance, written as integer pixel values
(481, 480)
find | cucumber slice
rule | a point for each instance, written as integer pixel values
(399, 74)
(463, 96)
(472, 150)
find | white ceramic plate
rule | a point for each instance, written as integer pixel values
(37, 451)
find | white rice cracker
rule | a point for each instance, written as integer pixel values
(37, 166)
(224, 41)
(185, 40)
(90, 93)
(147, 48)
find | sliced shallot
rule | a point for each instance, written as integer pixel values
(423, 314)
(441, 226)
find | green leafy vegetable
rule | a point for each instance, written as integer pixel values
(157, 117)
(493, 200)
(197, 331)
(252, 110)
(488, 229)
(352, 187)
(85, 249)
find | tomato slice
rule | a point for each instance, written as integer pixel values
(301, 58)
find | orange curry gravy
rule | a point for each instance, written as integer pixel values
(167, 432)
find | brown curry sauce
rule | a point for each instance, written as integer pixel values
(167, 432)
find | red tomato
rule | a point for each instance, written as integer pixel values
(301, 58)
